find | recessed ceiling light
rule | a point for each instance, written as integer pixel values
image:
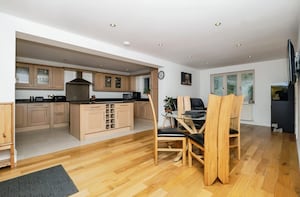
(126, 43)
(113, 25)
(238, 44)
(249, 56)
(217, 24)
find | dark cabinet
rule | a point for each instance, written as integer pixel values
(283, 108)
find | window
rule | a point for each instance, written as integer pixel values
(238, 83)
(146, 84)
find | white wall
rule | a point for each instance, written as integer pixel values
(266, 73)
(171, 85)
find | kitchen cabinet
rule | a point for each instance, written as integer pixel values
(42, 77)
(7, 133)
(124, 115)
(33, 116)
(58, 78)
(132, 83)
(109, 82)
(142, 110)
(24, 75)
(30, 76)
(38, 114)
(59, 114)
(87, 120)
(92, 118)
(21, 115)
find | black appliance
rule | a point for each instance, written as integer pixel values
(59, 98)
(136, 95)
(39, 99)
(127, 96)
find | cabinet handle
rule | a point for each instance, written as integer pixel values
(4, 135)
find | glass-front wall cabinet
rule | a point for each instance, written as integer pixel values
(23, 74)
(238, 83)
(107, 81)
(42, 76)
(118, 82)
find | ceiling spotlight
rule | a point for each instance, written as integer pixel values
(249, 56)
(217, 24)
(113, 25)
(238, 44)
(126, 43)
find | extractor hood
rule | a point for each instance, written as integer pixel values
(79, 80)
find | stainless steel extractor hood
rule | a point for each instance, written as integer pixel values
(79, 80)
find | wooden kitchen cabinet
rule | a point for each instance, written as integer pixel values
(58, 78)
(124, 115)
(38, 114)
(59, 114)
(24, 75)
(33, 116)
(21, 115)
(88, 120)
(30, 76)
(92, 118)
(109, 82)
(42, 77)
(7, 133)
(142, 110)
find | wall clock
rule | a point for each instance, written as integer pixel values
(161, 74)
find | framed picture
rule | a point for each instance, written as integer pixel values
(186, 78)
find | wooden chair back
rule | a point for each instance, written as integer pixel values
(223, 137)
(236, 112)
(154, 117)
(210, 139)
(183, 104)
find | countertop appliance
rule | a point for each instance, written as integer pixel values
(59, 98)
(136, 95)
(39, 99)
(127, 96)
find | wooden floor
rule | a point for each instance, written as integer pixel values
(124, 167)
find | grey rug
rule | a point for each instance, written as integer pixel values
(53, 181)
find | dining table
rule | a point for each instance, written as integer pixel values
(187, 119)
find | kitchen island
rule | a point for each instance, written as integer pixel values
(88, 119)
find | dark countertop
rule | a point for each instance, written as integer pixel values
(104, 100)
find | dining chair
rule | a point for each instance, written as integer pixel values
(223, 137)
(203, 146)
(183, 105)
(167, 135)
(235, 125)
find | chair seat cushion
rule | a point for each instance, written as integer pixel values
(233, 131)
(170, 132)
(197, 137)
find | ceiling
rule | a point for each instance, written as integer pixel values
(179, 31)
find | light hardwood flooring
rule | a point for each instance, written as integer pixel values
(124, 167)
